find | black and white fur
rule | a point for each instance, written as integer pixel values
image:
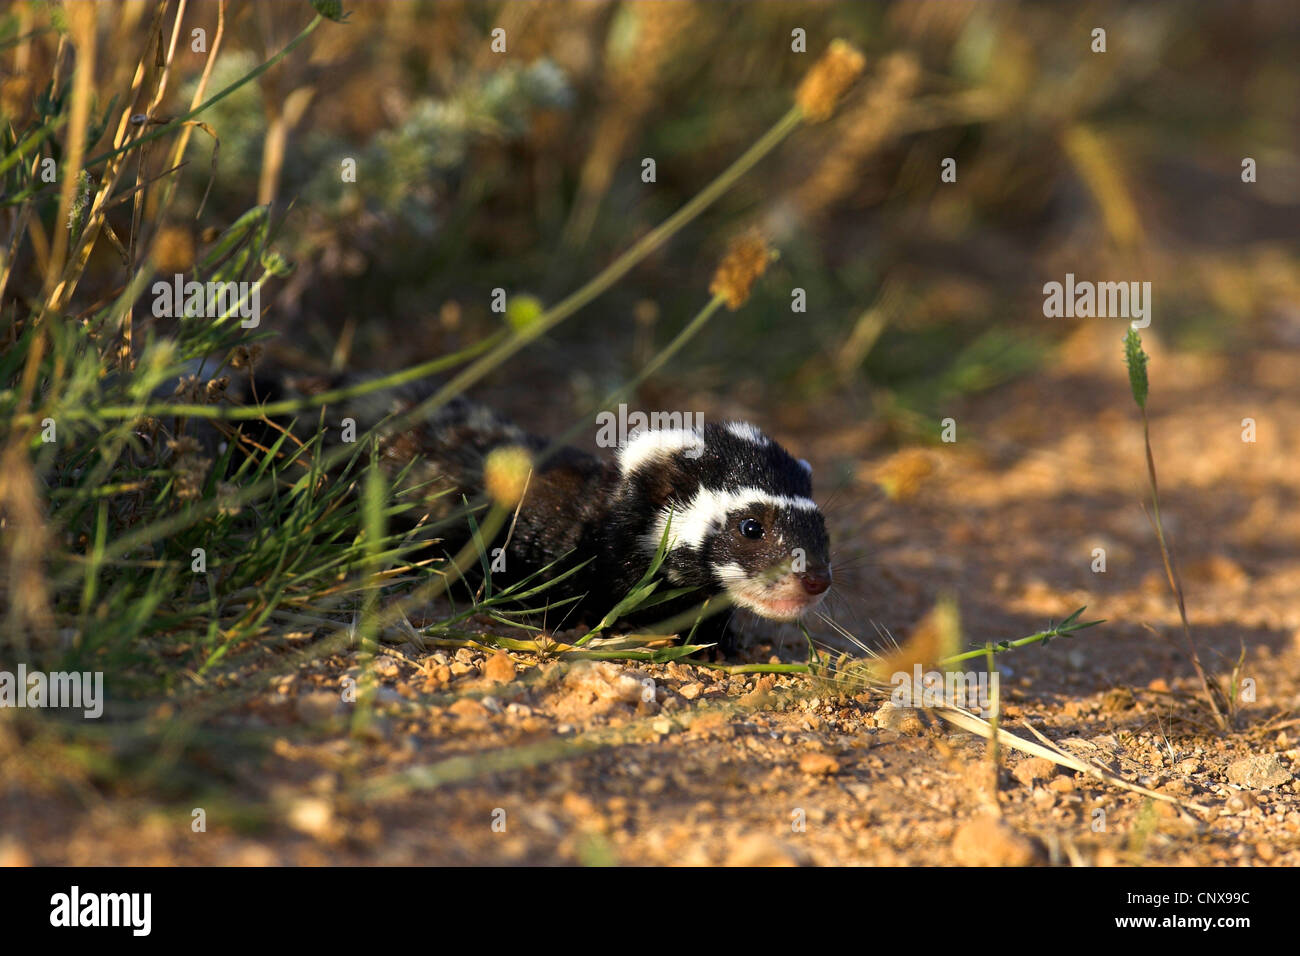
(737, 507)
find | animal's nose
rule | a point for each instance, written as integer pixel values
(816, 580)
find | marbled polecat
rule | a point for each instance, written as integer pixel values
(737, 507)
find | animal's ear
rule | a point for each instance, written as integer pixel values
(658, 485)
(803, 463)
(657, 465)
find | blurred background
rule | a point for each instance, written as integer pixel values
(522, 170)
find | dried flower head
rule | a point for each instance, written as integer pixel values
(829, 79)
(189, 390)
(505, 474)
(902, 475)
(216, 389)
(227, 498)
(868, 119)
(245, 356)
(449, 315)
(190, 473)
(189, 468)
(745, 261)
(174, 250)
(184, 445)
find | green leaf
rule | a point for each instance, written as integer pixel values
(640, 593)
(243, 229)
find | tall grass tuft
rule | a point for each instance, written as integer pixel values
(181, 567)
(1136, 360)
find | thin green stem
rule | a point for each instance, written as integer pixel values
(657, 362)
(31, 141)
(1064, 629)
(1212, 691)
(613, 272)
(521, 337)
(285, 407)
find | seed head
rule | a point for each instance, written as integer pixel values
(830, 77)
(505, 474)
(745, 261)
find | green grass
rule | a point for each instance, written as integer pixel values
(171, 572)
(104, 524)
(1222, 708)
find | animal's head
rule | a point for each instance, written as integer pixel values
(739, 515)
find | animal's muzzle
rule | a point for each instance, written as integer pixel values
(815, 580)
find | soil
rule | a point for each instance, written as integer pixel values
(474, 757)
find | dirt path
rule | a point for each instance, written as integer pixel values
(728, 769)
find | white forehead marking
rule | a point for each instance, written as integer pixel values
(649, 446)
(707, 511)
(747, 432)
(803, 463)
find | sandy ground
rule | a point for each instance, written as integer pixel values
(474, 758)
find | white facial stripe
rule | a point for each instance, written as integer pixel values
(747, 432)
(730, 574)
(708, 510)
(650, 446)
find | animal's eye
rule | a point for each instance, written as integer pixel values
(751, 528)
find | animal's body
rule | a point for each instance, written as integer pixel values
(734, 507)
